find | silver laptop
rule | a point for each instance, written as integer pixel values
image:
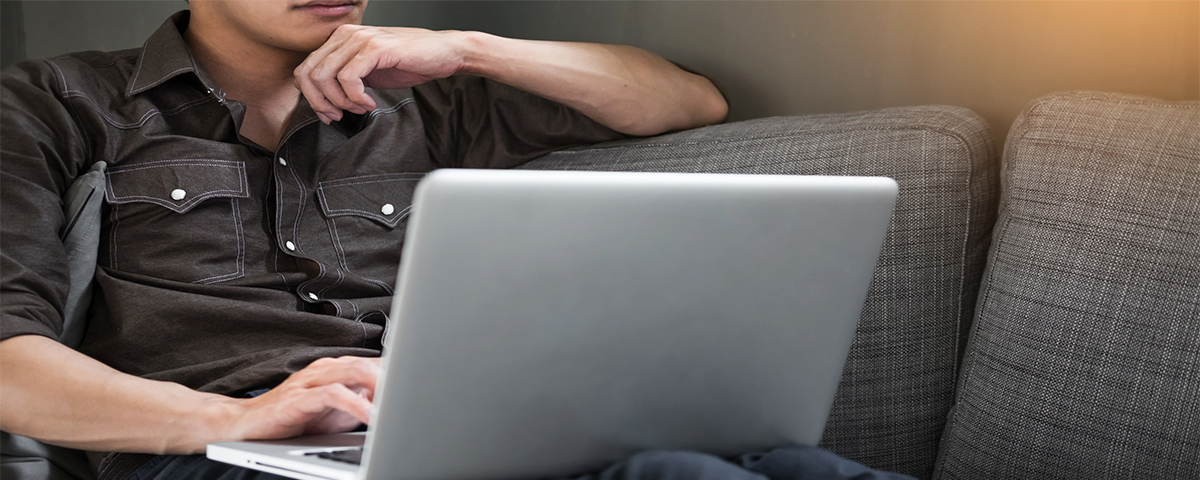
(552, 323)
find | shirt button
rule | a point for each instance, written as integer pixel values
(387, 209)
(313, 296)
(178, 194)
(282, 161)
(290, 246)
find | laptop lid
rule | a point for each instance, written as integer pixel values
(551, 323)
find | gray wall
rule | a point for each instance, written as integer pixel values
(54, 27)
(793, 57)
(12, 33)
(796, 57)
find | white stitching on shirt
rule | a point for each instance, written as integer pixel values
(389, 220)
(165, 78)
(112, 241)
(62, 79)
(337, 243)
(138, 73)
(266, 200)
(388, 177)
(87, 145)
(341, 256)
(141, 121)
(386, 288)
(332, 212)
(241, 257)
(300, 208)
(113, 198)
(180, 161)
(341, 277)
(341, 259)
(182, 207)
(320, 274)
(358, 317)
(375, 113)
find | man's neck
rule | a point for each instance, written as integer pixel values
(255, 74)
(259, 75)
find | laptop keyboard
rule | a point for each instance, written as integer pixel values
(351, 455)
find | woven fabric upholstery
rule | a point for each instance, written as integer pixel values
(1084, 361)
(897, 385)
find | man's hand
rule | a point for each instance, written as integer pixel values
(625, 88)
(62, 397)
(333, 77)
(331, 395)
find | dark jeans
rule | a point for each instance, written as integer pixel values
(787, 463)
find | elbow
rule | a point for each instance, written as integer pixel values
(693, 103)
(711, 107)
(704, 108)
(715, 108)
(703, 105)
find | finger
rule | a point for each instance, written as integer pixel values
(348, 371)
(329, 406)
(342, 32)
(336, 397)
(339, 37)
(303, 78)
(352, 75)
(329, 73)
(333, 421)
(326, 111)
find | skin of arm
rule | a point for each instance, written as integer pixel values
(63, 397)
(624, 88)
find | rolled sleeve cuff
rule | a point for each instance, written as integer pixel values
(14, 326)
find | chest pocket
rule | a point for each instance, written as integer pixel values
(367, 216)
(176, 220)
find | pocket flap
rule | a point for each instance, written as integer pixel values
(385, 198)
(176, 184)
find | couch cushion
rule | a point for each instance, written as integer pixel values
(897, 385)
(1084, 361)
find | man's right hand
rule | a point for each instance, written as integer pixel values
(63, 397)
(331, 395)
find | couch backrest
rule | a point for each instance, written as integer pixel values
(897, 385)
(1084, 361)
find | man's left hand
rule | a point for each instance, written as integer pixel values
(333, 78)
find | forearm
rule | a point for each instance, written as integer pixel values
(625, 88)
(60, 396)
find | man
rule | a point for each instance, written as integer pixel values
(260, 155)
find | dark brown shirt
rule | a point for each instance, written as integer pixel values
(224, 265)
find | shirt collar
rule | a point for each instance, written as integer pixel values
(165, 56)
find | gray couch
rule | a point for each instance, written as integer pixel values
(1036, 317)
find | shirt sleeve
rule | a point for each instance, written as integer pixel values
(42, 151)
(473, 122)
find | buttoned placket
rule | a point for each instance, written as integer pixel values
(295, 202)
(290, 194)
(291, 199)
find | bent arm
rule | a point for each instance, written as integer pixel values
(624, 88)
